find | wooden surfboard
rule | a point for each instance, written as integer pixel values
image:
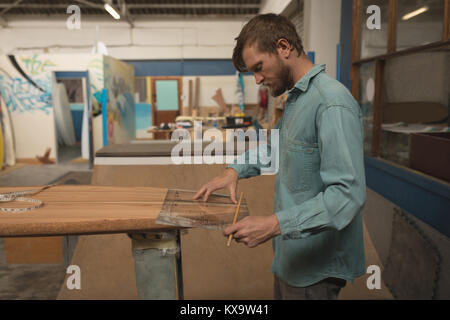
(2, 148)
(10, 155)
(86, 209)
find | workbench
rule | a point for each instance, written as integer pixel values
(118, 267)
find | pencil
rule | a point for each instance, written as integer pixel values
(235, 218)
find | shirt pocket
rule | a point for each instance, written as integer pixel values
(301, 165)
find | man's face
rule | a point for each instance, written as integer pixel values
(269, 69)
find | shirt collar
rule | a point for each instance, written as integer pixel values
(303, 83)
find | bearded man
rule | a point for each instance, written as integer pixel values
(320, 190)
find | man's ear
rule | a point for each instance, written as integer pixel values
(283, 48)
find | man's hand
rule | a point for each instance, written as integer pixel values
(228, 179)
(254, 230)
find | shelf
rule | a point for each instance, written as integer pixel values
(435, 46)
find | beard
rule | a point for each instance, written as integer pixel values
(284, 80)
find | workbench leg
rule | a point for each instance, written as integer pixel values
(157, 263)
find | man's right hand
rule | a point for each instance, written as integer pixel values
(228, 179)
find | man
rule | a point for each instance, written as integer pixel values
(316, 226)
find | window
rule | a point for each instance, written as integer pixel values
(419, 22)
(373, 41)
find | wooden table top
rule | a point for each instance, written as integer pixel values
(84, 209)
(88, 209)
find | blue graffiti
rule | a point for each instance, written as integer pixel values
(21, 96)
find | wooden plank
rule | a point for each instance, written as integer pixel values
(197, 96)
(76, 209)
(446, 28)
(434, 46)
(392, 27)
(355, 73)
(82, 209)
(191, 98)
(356, 37)
(356, 49)
(148, 83)
(378, 108)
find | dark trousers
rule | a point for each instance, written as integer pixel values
(327, 289)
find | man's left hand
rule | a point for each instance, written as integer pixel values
(254, 230)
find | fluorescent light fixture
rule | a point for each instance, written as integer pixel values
(111, 11)
(415, 13)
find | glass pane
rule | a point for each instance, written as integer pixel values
(374, 27)
(367, 95)
(416, 99)
(419, 22)
(166, 95)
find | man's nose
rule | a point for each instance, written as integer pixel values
(259, 78)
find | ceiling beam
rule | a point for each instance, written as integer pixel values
(85, 2)
(192, 6)
(8, 6)
(51, 6)
(125, 12)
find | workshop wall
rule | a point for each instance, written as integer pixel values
(29, 105)
(209, 85)
(321, 31)
(155, 39)
(213, 74)
(26, 87)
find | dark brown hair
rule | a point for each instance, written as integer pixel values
(265, 30)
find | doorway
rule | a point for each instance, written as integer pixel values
(72, 117)
(166, 98)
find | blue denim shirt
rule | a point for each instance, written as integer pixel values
(320, 187)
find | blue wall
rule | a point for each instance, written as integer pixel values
(143, 116)
(182, 67)
(424, 197)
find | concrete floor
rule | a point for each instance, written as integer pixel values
(29, 281)
(38, 281)
(68, 153)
